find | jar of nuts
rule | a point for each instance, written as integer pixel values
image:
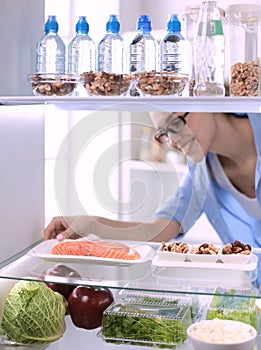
(243, 22)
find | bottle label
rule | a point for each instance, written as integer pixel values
(211, 28)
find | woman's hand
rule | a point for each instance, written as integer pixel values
(67, 227)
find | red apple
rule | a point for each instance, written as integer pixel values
(87, 304)
(64, 288)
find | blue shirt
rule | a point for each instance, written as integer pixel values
(200, 193)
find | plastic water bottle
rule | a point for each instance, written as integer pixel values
(81, 49)
(51, 50)
(143, 49)
(111, 48)
(209, 51)
(174, 50)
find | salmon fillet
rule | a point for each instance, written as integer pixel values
(102, 248)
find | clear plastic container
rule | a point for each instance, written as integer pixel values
(146, 321)
(232, 304)
(244, 39)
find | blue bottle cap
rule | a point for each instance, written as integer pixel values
(82, 26)
(51, 25)
(113, 25)
(174, 24)
(144, 24)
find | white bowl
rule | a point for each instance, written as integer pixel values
(234, 258)
(236, 335)
(208, 258)
(172, 255)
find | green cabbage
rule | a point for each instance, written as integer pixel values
(33, 314)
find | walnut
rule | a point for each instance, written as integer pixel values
(106, 84)
(205, 248)
(236, 247)
(176, 247)
(161, 83)
(244, 78)
(52, 85)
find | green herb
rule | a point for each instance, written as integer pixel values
(231, 307)
(144, 324)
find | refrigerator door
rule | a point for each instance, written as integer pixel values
(21, 178)
(21, 27)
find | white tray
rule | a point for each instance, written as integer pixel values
(43, 251)
(252, 265)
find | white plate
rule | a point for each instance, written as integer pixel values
(43, 251)
(252, 265)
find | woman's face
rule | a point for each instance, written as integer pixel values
(195, 138)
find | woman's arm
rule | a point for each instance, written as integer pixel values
(159, 229)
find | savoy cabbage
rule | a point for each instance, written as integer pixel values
(33, 314)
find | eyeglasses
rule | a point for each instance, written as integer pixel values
(175, 125)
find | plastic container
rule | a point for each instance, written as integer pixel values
(174, 50)
(232, 304)
(244, 38)
(111, 49)
(148, 323)
(143, 48)
(81, 49)
(209, 51)
(51, 50)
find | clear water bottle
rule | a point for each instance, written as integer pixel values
(81, 49)
(51, 50)
(209, 51)
(111, 49)
(174, 50)
(143, 49)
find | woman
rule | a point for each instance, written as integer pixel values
(224, 181)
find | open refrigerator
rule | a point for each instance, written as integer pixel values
(23, 145)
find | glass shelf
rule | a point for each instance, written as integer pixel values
(147, 277)
(142, 104)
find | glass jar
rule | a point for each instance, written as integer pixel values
(189, 18)
(243, 22)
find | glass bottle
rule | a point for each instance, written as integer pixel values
(51, 50)
(209, 51)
